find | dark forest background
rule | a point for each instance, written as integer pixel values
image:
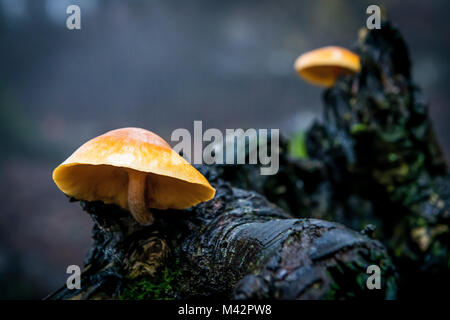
(161, 65)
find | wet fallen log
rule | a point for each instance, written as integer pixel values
(373, 160)
(373, 164)
(237, 245)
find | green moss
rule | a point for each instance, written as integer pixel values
(297, 146)
(358, 128)
(392, 157)
(162, 287)
(438, 250)
(332, 291)
(349, 278)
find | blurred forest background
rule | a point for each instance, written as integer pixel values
(161, 65)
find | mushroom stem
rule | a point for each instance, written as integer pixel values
(137, 203)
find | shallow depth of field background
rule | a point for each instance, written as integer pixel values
(161, 65)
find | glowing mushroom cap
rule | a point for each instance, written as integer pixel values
(323, 66)
(105, 168)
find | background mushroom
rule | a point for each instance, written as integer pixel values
(135, 169)
(323, 66)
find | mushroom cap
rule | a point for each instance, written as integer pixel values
(98, 170)
(323, 66)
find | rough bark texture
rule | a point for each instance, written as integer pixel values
(374, 160)
(374, 164)
(237, 245)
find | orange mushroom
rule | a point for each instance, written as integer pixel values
(135, 169)
(323, 66)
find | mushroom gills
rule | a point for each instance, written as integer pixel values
(137, 202)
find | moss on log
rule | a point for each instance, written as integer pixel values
(373, 164)
(373, 160)
(237, 245)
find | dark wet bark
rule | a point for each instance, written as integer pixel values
(237, 245)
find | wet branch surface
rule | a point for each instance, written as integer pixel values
(373, 160)
(373, 164)
(237, 245)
